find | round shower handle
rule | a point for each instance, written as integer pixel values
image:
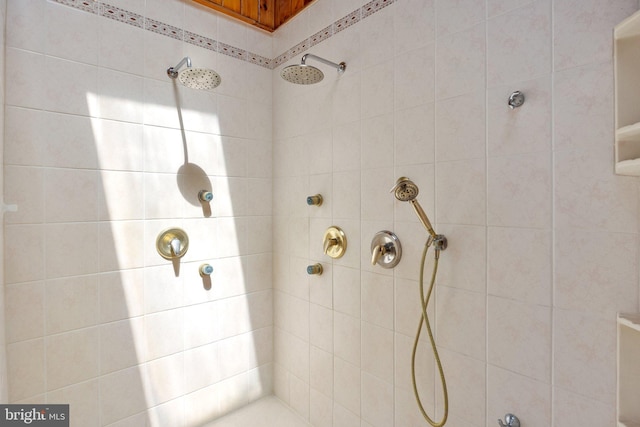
(334, 242)
(386, 250)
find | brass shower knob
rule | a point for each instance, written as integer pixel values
(172, 243)
(334, 242)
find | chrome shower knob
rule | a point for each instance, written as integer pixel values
(386, 250)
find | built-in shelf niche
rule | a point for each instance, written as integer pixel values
(627, 96)
(629, 370)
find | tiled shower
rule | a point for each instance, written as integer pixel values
(102, 152)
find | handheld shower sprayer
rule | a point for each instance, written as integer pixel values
(406, 190)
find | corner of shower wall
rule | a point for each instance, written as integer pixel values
(4, 395)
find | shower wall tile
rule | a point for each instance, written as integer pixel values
(460, 62)
(592, 280)
(28, 18)
(519, 44)
(413, 81)
(581, 409)
(519, 264)
(461, 192)
(516, 392)
(84, 397)
(71, 34)
(379, 80)
(414, 135)
(414, 24)
(24, 311)
(75, 356)
(460, 127)
(503, 337)
(26, 359)
(597, 339)
(121, 46)
(589, 196)
(458, 15)
(71, 303)
(583, 106)
(583, 30)
(461, 310)
(377, 401)
(519, 191)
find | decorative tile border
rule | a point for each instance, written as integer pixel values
(130, 18)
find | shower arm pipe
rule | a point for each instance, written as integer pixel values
(173, 71)
(340, 67)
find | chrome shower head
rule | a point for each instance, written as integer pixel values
(304, 74)
(194, 78)
(406, 190)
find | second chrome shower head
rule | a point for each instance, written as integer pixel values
(194, 78)
(303, 74)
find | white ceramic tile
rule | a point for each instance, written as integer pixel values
(583, 107)
(583, 410)
(321, 409)
(377, 351)
(377, 299)
(519, 44)
(596, 339)
(376, 203)
(32, 241)
(321, 371)
(414, 135)
(25, 20)
(414, 24)
(71, 88)
(455, 308)
(121, 47)
(321, 327)
(120, 344)
(460, 127)
(519, 264)
(27, 86)
(582, 30)
(346, 191)
(377, 401)
(530, 400)
(69, 141)
(466, 380)
(71, 303)
(519, 193)
(118, 145)
(346, 338)
(461, 192)
(347, 147)
(84, 398)
(346, 386)
(71, 195)
(26, 361)
(122, 394)
(71, 249)
(24, 312)
(72, 357)
(377, 142)
(466, 243)
(460, 62)
(71, 34)
(164, 333)
(24, 137)
(20, 183)
(347, 103)
(346, 290)
(458, 15)
(526, 353)
(120, 96)
(415, 79)
(602, 280)
(121, 295)
(379, 84)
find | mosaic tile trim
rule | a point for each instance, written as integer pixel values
(122, 15)
(130, 18)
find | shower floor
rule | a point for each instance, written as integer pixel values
(266, 412)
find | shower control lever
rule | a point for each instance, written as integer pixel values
(334, 242)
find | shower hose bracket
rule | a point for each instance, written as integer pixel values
(439, 242)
